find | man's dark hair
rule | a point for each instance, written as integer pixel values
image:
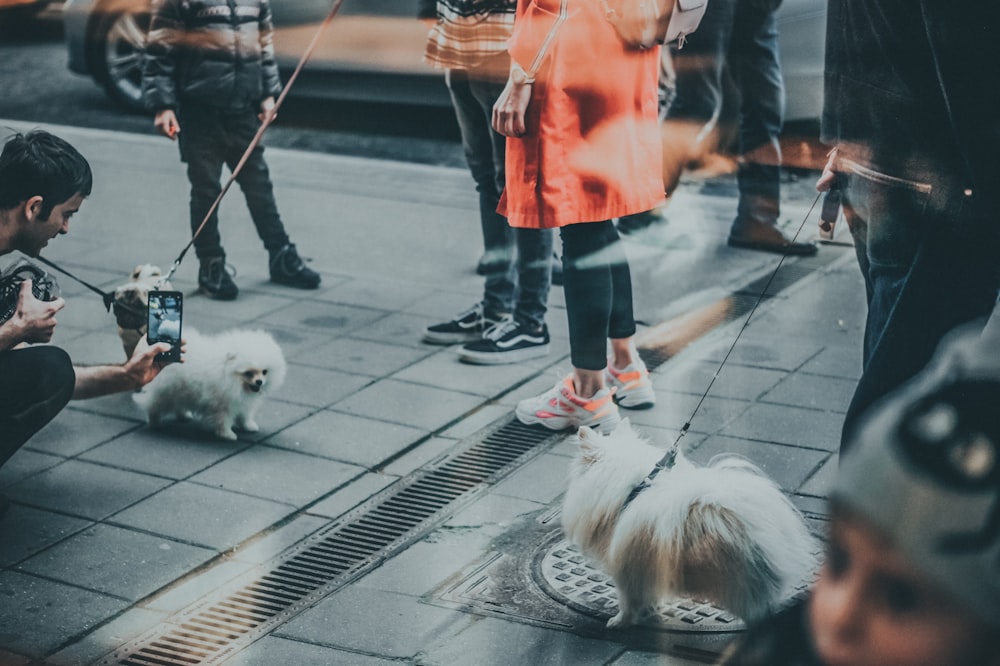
(41, 164)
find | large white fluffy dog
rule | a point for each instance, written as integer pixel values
(131, 300)
(724, 533)
(220, 384)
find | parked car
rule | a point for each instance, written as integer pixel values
(21, 7)
(373, 50)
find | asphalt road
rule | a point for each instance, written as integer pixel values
(35, 85)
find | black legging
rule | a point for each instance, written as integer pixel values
(598, 288)
(37, 383)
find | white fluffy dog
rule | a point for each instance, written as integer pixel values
(130, 301)
(220, 383)
(724, 533)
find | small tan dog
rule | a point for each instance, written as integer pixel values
(130, 304)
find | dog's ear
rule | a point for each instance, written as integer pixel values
(590, 445)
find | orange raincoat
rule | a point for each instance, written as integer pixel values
(592, 150)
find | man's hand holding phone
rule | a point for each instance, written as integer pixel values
(163, 322)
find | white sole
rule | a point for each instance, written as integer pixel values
(450, 338)
(501, 358)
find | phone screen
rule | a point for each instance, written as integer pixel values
(164, 322)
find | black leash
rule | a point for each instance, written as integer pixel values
(108, 299)
(669, 459)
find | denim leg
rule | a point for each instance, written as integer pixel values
(753, 62)
(484, 151)
(534, 275)
(202, 148)
(930, 270)
(255, 181)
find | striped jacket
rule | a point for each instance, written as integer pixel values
(468, 33)
(214, 52)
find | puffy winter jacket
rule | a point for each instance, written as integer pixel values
(214, 52)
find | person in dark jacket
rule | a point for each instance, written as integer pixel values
(210, 77)
(916, 152)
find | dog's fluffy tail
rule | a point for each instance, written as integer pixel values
(725, 533)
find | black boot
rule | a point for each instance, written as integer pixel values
(287, 268)
(214, 279)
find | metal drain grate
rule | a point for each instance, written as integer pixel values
(217, 628)
(570, 578)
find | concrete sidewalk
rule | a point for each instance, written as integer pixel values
(115, 529)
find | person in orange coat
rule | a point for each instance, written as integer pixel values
(580, 113)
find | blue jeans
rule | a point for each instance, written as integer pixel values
(523, 257)
(208, 139)
(741, 37)
(929, 265)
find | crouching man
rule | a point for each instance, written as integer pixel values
(43, 182)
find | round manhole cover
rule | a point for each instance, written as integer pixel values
(568, 577)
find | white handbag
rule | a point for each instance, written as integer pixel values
(642, 24)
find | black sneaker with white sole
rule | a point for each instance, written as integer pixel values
(507, 342)
(465, 327)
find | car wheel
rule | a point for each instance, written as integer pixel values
(116, 56)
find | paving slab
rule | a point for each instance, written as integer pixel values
(788, 466)
(83, 489)
(39, 615)
(26, 531)
(376, 622)
(117, 562)
(277, 474)
(272, 650)
(788, 425)
(348, 437)
(320, 387)
(410, 404)
(362, 357)
(163, 453)
(499, 643)
(199, 515)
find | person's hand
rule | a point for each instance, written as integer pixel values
(829, 175)
(267, 110)
(143, 367)
(35, 320)
(166, 122)
(511, 108)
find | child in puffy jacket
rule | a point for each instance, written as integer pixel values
(210, 76)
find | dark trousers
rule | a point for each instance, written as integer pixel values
(930, 264)
(739, 37)
(522, 258)
(208, 139)
(37, 384)
(598, 288)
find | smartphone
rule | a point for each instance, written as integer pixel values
(163, 322)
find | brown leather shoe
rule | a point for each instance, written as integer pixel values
(768, 238)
